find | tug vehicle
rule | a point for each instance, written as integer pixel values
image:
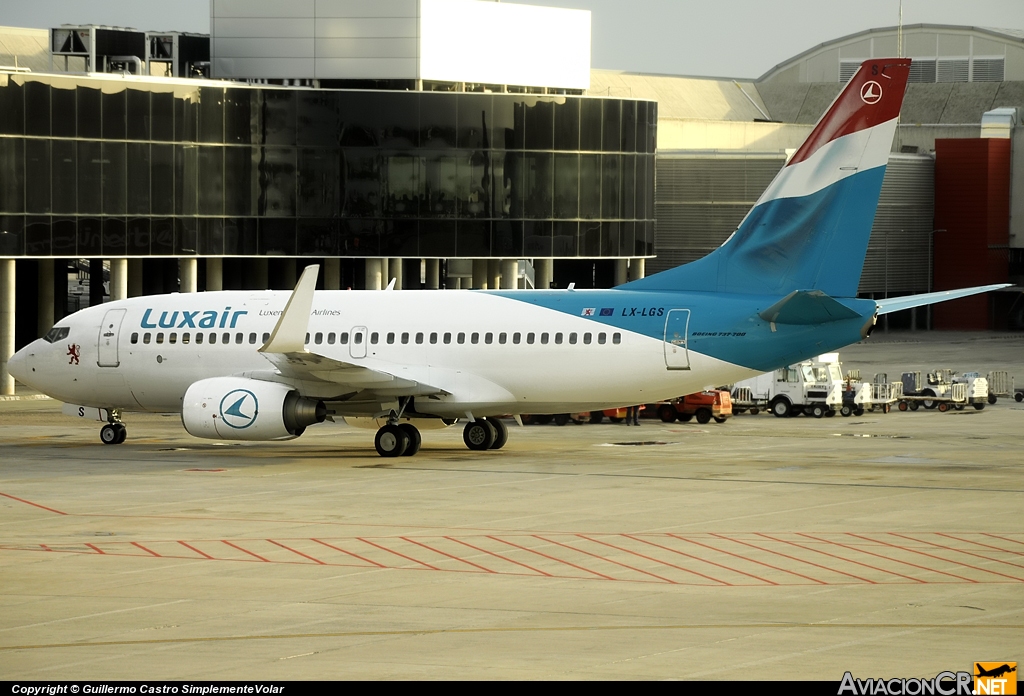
(704, 406)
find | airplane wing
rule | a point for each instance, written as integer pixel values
(286, 351)
(896, 304)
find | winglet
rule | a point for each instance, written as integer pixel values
(289, 336)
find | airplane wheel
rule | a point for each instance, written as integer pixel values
(667, 413)
(845, 410)
(391, 441)
(781, 408)
(817, 411)
(979, 406)
(703, 416)
(415, 440)
(596, 417)
(479, 435)
(113, 434)
(500, 433)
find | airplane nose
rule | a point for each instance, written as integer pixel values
(17, 366)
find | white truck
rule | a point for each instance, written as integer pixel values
(813, 387)
(943, 389)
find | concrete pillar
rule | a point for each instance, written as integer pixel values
(332, 274)
(7, 286)
(188, 272)
(621, 271)
(509, 274)
(637, 268)
(45, 294)
(395, 272)
(383, 273)
(494, 274)
(118, 279)
(479, 274)
(454, 283)
(214, 275)
(135, 275)
(543, 271)
(373, 274)
(433, 274)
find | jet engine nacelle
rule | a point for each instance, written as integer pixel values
(236, 408)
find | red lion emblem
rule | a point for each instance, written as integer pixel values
(74, 351)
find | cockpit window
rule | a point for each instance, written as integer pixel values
(57, 333)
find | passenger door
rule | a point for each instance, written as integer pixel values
(357, 343)
(677, 325)
(110, 330)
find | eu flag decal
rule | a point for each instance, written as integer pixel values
(607, 311)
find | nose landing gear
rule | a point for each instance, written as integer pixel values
(114, 432)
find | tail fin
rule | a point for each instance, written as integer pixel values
(810, 228)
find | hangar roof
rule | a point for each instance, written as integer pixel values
(681, 97)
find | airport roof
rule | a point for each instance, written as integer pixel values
(25, 48)
(681, 97)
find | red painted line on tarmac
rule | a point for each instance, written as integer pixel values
(97, 549)
(870, 553)
(604, 558)
(154, 553)
(236, 546)
(498, 555)
(996, 536)
(776, 553)
(702, 560)
(830, 555)
(354, 555)
(987, 546)
(745, 558)
(29, 502)
(44, 547)
(288, 548)
(551, 558)
(454, 558)
(193, 548)
(969, 553)
(408, 558)
(922, 553)
(797, 559)
(650, 558)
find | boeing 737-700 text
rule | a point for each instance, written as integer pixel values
(266, 365)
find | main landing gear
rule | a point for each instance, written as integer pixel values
(398, 439)
(114, 432)
(484, 434)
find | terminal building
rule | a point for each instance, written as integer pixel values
(415, 147)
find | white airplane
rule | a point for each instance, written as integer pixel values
(242, 365)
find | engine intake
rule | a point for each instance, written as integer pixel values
(236, 408)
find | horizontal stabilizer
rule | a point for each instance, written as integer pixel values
(896, 304)
(807, 307)
(289, 336)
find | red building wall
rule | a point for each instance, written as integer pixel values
(972, 216)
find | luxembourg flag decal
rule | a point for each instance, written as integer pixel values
(589, 312)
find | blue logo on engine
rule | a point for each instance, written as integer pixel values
(239, 409)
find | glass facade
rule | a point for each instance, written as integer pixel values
(99, 167)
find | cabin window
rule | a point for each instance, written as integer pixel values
(135, 338)
(186, 338)
(587, 338)
(159, 338)
(517, 337)
(240, 338)
(225, 338)
(447, 338)
(252, 339)
(357, 338)
(405, 337)
(391, 338)
(474, 338)
(544, 338)
(172, 338)
(318, 339)
(331, 338)
(529, 338)
(419, 337)
(307, 339)
(375, 338)
(572, 339)
(344, 338)
(602, 339)
(433, 338)
(558, 338)
(488, 338)
(146, 337)
(213, 339)
(616, 338)
(461, 338)
(502, 338)
(199, 339)
(266, 337)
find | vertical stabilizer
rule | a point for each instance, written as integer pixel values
(810, 228)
